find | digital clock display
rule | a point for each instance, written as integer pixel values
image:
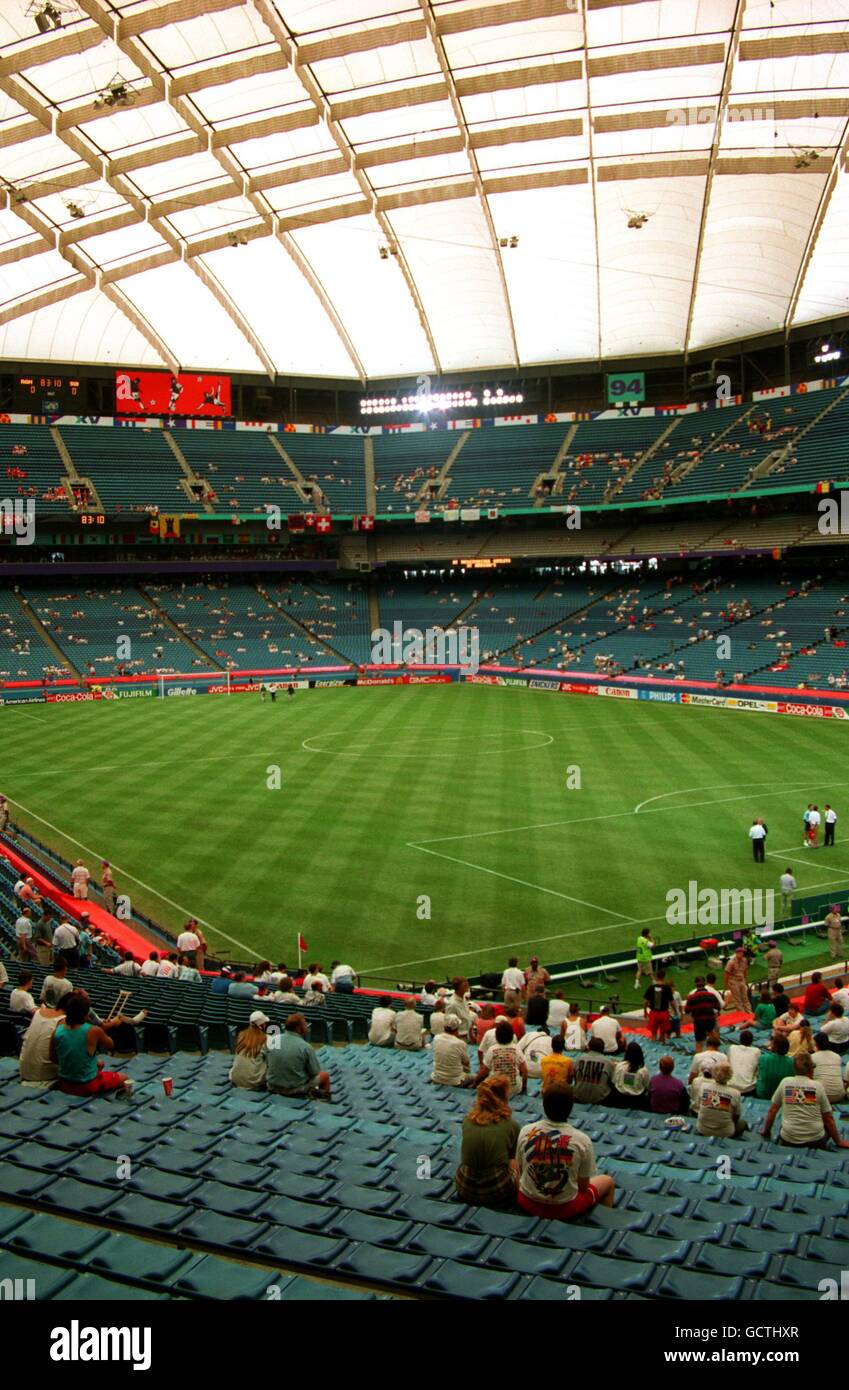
(48, 394)
(93, 519)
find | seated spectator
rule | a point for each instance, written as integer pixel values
(557, 1172)
(828, 1069)
(343, 978)
(292, 1066)
(536, 1012)
(780, 999)
(513, 1014)
(129, 966)
(801, 1039)
(169, 967)
(704, 1062)
(20, 999)
(592, 1076)
(807, 1121)
(608, 1030)
(240, 988)
(556, 1069)
(485, 1022)
(409, 1032)
(488, 1173)
(428, 996)
(459, 1006)
(717, 1105)
(189, 974)
(436, 1022)
(533, 1048)
(315, 994)
(74, 1047)
(37, 1070)
(451, 1066)
(744, 1059)
(774, 1064)
(382, 1030)
(314, 972)
(817, 996)
(836, 1029)
(574, 1030)
(151, 966)
(284, 993)
(765, 1011)
(558, 1011)
(503, 1058)
(57, 985)
(630, 1081)
(263, 972)
(668, 1095)
(250, 1062)
(221, 983)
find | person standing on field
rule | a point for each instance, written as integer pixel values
(834, 928)
(80, 877)
(107, 883)
(757, 835)
(830, 823)
(644, 946)
(736, 975)
(788, 888)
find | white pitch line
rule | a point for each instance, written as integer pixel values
(141, 883)
(504, 946)
(582, 902)
(796, 860)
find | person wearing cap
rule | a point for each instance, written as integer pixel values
(293, 1068)
(221, 983)
(451, 1066)
(834, 931)
(250, 1063)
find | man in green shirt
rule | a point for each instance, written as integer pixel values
(644, 947)
(765, 1010)
(293, 1068)
(772, 1068)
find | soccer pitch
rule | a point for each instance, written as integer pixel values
(525, 819)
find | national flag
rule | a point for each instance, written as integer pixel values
(323, 524)
(823, 487)
(302, 945)
(296, 522)
(451, 516)
(363, 523)
(492, 513)
(422, 516)
(309, 521)
(470, 513)
(776, 554)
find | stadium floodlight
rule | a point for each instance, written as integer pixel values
(637, 219)
(47, 14)
(828, 352)
(117, 92)
(508, 241)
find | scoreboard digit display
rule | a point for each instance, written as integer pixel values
(626, 388)
(47, 394)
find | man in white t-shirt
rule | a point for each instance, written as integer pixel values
(841, 993)
(828, 1069)
(836, 1028)
(451, 1066)
(128, 966)
(80, 879)
(830, 824)
(532, 1048)
(558, 1010)
(150, 967)
(187, 943)
(513, 980)
(807, 1120)
(788, 888)
(382, 1030)
(23, 932)
(21, 1000)
(757, 835)
(706, 1061)
(503, 1058)
(315, 973)
(717, 1105)
(343, 978)
(409, 1033)
(557, 1172)
(66, 942)
(743, 1059)
(608, 1030)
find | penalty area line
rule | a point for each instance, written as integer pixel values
(141, 883)
(482, 950)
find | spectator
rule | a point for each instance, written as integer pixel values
(57, 985)
(558, 1010)
(801, 1039)
(66, 942)
(240, 988)
(37, 1070)
(608, 1030)
(764, 1011)
(513, 981)
(458, 1006)
(702, 1007)
(841, 993)
(807, 1121)
(285, 993)
(773, 1066)
(557, 1171)
(314, 973)
(705, 1062)
(488, 1173)
(188, 942)
(4, 975)
(343, 978)
(315, 995)
(86, 943)
(220, 985)
(129, 966)
(382, 1030)
(631, 1080)
(24, 933)
(817, 997)
(80, 877)
(773, 960)
(556, 1069)
(736, 975)
(504, 1059)
(657, 1002)
(451, 1066)
(20, 999)
(409, 1033)
(169, 967)
(536, 1013)
(533, 1048)
(513, 1015)
(668, 1095)
(250, 1061)
(717, 1105)
(574, 1030)
(107, 883)
(827, 1068)
(780, 999)
(743, 1059)
(292, 1066)
(428, 996)
(535, 976)
(593, 1075)
(789, 1021)
(436, 1022)
(836, 1029)
(150, 967)
(74, 1047)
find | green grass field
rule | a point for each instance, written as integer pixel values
(388, 795)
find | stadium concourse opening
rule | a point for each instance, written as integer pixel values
(424, 872)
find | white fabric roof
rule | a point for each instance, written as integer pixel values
(367, 158)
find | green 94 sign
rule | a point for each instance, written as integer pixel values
(626, 388)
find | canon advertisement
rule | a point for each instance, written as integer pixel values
(160, 393)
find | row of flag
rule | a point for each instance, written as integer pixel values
(322, 522)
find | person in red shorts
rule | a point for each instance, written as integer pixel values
(74, 1047)
(557, 1172)
(656, 1003)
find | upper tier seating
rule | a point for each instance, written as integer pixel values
(42, 468)
(131, 467)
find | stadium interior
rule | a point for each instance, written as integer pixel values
(519, 332)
